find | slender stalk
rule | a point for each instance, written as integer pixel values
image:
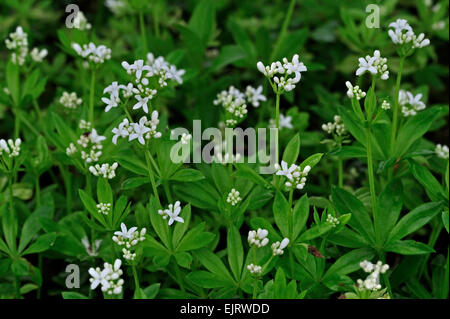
(16, 125)
(395, 110)
(38, 192)
(156, 20)
(431, 242)
(142, 27)
(277, 124)
(11, 198)
(91, 99)
(150, 173)
(136, 280)
(340, 173)
(287, 20)
(168, 192)
(370, 170)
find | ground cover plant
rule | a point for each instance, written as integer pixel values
(101, 193)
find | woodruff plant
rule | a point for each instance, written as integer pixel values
(87, 177)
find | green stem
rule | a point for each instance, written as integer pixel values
(17, 287)
(284, 27)
(178, 275)
(395, 111)
(40, 263)
(150, 173)
(91, 99)
(370, 170)
(168, 192)
(431, 242)
(17, 126)
(156, 20)
(142, 26)
(38, 192)
(277, 123)
(136, 280)
(340, 172)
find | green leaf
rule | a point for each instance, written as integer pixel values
(73, 295)
(315, 231)
(281, 213)
(414, 128)
(183, 259)
(213, 263)
(9, 225)
(292, 150)
(445, 218)
(347, 203)
(311, 161)
(104, 191)
(180, 228)
(151, 291)
(221, 177)
(228, 54)
(134, 182)
(433, 188)
(91, 206)
(41, 244)
(414, 220)
(388, 208)
(187, 175)
(349, 262)
(408, 247)
(12, 81)
(195, 238)
(301, 214)
(235, 251)
(207, 279)
(202, 20)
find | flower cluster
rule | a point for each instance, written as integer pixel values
(385, 105)
(147, 76)
(70, 100)
(337, 127)
(410, 104)
(441, 151)
(18, 43)
(94, 54)
(80, 22)
(91, 145)
(185, 138)
(401, 33)
(254, 269)
(85, 125)
(332, 220)
(354, 91)
(234, 103)
(143, 130)
(295, 175)
(108, 278)
(104, 208)
(285, 74)
(233, 197)
(374, 65)
(372, 282)
(105, 170)
(254, 96)
(129, 238)
(278, 247)
(172, 213)
(258, 237)
(10, 147)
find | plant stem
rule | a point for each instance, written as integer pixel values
(142, 26)
(287, 20)
(431, 242)
(150, 173)
(38, 192)
(340, 173)
(395, 111)
(179, 278)
(277, 122)
(91, 99)
(370, 170)
(136, 280)
(156, 20)
(168, 192)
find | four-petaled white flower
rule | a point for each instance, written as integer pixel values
(142, 102)
(139, 130)
(284, 170)
(98, 277)
(124, 232)
(285, 121)
(172, 213)
(366, 65)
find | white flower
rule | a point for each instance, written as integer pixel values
(113, 89)
(254, 269)
(172, 213)
(385, 105)
(139, 130)
(127, 90)
(70, 100)
(284, 170)
(105, 170)
(255, 95)
(401, 32)
(354, 91)
(11, 147)
(121, 131)
(410, 104)
(185, 138)
(337, 127)
(80, 22)
(138, 67)
(284, 121)
(233, 197)
(95, 138)
(98, 277)
(38, 56)
(104, 208)
(278, 248)
(372, 282)
(332, 220)
(289, 73)
(18, 43)
(366, 65)
(93, 53)
(442, 151)
(110, 103)
(258, 237)
(128, 238)
(174, 74)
